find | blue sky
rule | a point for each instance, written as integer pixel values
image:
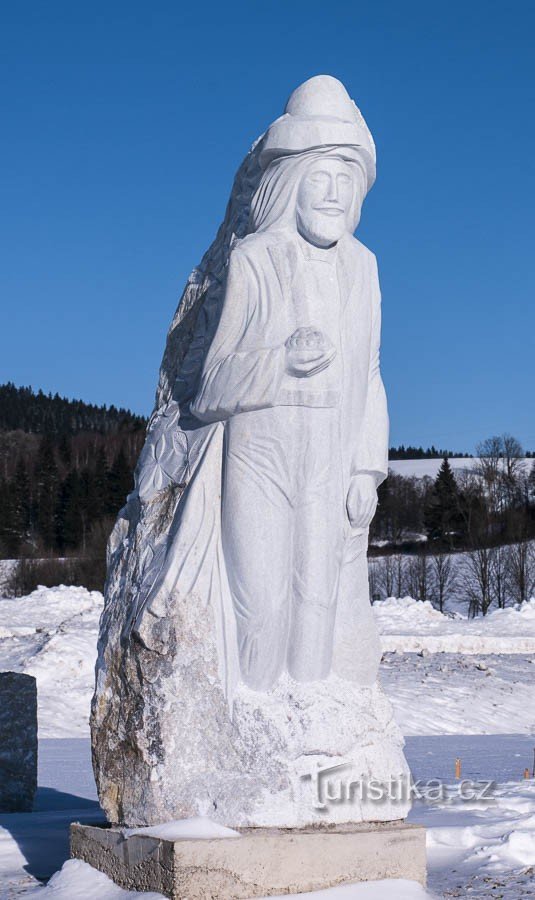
(123, 124)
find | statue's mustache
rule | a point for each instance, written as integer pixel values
(330, 210)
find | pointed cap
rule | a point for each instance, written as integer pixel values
(319, 113)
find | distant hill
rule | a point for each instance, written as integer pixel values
(21, 408)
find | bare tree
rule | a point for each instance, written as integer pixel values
(500, 466)
(444, 578)
(384, 576)
(513, 455)
(399, 574)
(521, 571)
(373, 579)
(499, 575)
(418, 576)
(477, 577)
(388, 576)
(473, 505)
(530, 485)
(490, 453)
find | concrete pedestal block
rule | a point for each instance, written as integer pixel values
(18, 741)
(261, 862)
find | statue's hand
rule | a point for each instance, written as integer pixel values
(308, 351)
(361, 500)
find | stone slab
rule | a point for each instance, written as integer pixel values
(18, 741)
(259, 863)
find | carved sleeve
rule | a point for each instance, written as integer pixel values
(238, 376)
(372, 450)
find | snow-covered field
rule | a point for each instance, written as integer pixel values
(468, 691)
(410, 626)
(52, 635)
(420, 467)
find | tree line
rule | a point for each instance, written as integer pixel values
(21, 408)
(489, 502)
(65, 470)
(486, 511)
(410, 452)
(483, 579)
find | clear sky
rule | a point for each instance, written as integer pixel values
(123, 124)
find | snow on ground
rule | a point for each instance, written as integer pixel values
(447, 693)
(421, 467)
(78, 881)
(476, 848)
(482, 848)
(7, 568)
(408, 625)
(200, 828)
(475, 702)
(418, 468)
(52, 635)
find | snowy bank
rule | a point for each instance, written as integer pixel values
(410, 626)
(78, 881)
(52, 634)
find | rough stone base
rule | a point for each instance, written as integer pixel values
(261, 862)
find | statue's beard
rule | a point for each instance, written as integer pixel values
(321, 229)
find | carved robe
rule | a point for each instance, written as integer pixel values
(296, 569)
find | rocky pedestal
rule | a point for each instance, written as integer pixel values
(18, 742)
(172, 746)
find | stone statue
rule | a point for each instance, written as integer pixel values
(238, 653)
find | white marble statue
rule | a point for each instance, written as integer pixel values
(238, 652)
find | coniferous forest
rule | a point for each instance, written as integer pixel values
(66, 468)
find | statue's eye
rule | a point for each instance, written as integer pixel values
(318, 177)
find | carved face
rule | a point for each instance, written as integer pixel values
(324, 200)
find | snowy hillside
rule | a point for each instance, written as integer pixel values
(420, 467)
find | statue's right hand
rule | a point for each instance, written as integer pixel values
(308, 351)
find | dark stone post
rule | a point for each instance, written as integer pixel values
(18, 741)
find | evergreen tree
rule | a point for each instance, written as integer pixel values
(442, 514)
(46, 414)
(70, 513)
(8, 541)
(21, 500)
(98, 505)
(120, 483)
(531, 483)
(47, 492)
(65, 450)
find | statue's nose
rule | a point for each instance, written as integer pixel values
(332, 190)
